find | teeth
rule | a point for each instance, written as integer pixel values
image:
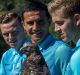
(36, 32)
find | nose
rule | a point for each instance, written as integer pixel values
(57, 28)
(10, 37)
(35, 26)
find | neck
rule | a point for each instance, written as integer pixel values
(18, 48)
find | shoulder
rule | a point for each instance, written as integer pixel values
(64, 51)
(62, 46)
(60, 43)
(55, 41)
(8, 54)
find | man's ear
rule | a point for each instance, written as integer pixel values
(77, 18)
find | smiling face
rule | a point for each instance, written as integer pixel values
(36, 25)
(13, 33)
(64, 26)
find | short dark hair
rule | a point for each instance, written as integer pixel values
(33, 5)
(71, 7)
(9, 16)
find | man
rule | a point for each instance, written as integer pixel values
(61, 21)
(36, 22)
(66, 18)
(14, 36)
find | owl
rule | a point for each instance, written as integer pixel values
(34, 64)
